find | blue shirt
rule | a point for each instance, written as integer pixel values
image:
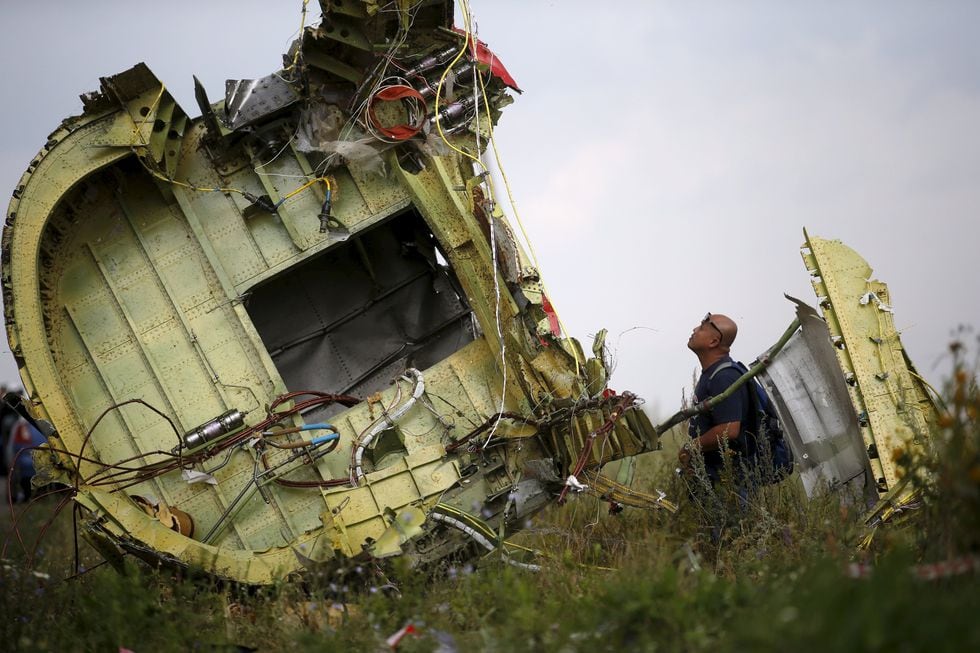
(736, 408)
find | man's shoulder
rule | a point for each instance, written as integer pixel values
(725, 373)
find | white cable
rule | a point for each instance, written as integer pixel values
(482, 540)
(274, 158)
(476, 85)
(527, 566)
(387, 420)
(414, 108)
(348, 128)
(468, 20)
(398, 41)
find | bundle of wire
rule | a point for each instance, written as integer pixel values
(396, 89)
(124, 474)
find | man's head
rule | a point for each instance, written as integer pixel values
(715, 334)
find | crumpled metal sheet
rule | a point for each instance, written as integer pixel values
(249, 100)
(811, 398)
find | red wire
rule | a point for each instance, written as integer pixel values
(390, 94)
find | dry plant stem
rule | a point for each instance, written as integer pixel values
(711, 402)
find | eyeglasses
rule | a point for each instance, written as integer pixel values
(707, 319)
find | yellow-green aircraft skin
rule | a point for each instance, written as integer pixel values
(317, 251)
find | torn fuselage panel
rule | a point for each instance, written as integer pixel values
(183, 271)
(888, 396)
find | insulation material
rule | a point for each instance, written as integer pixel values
(322, 129)
(318, 124)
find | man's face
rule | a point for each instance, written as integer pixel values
(704, 335)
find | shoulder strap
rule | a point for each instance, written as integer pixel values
(723, 366)
(758, 402)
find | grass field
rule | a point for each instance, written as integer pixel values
(774, 577)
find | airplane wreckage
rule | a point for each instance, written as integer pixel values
(298, 330)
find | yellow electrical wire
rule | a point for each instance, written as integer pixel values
(442, 81)
(474, 522)
(490, 188)
(325, 180)
(134, 145)
(510, 196)
(299, 46)
(885, 513)
(517, 217)
(935, 393)
(502, 545)
(137, 133)
(138, 127)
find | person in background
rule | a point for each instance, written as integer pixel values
(8, 417)
(22, 437)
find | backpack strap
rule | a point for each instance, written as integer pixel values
(753, 401)
(759, 406)
(723, 366)
(760, 402)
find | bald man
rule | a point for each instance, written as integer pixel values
(711, 341)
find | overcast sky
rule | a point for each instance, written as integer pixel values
(665, 157)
